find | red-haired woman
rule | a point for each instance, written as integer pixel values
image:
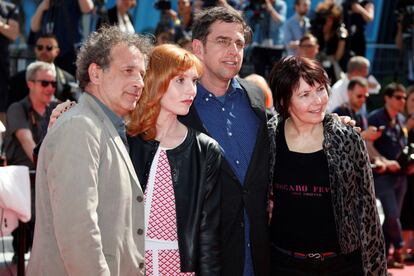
(178, 168)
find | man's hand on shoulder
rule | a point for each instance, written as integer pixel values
(59, 110)
(346, 120)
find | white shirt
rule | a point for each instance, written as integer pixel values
(125, 24)
(339, 94)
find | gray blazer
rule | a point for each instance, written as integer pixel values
(89, 204)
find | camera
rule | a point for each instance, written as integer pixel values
(162, 5)
(406, 157)
(342, 32)
(405, 15)
(258, 8)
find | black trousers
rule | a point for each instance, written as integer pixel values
(341, 265)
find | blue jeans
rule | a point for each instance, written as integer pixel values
(390, 190)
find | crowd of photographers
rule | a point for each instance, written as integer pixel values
(333, 33)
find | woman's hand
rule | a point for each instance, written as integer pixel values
(59, 110)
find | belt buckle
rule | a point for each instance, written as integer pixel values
(315, 256)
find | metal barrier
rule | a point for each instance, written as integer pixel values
(20, 57)
(386, 62)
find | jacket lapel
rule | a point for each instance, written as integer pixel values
(115, 136)
(193, 120)
(256, 98)
(257, 103)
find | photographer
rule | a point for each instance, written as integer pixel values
(328, 28)
(357, 13)
(182, 20)
(266, 17)
(296, 26)
(9, 30)
(391, 185)
(407, 212)
(405, 36)
(64, 20)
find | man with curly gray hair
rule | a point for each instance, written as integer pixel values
(90, 211)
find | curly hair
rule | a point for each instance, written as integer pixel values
(97, 49)
(166, 62)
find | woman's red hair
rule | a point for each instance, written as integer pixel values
(166, 61)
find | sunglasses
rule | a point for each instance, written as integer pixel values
(45, 83)
(307, 46)
(47, 47)
(399, 97)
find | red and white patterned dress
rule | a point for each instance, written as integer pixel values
(161, 240)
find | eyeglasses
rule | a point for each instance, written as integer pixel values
(45, 83)
(225, 42)
(46, 47)
(399, 97)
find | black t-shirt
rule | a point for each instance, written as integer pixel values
(303, 219)
(21, 115)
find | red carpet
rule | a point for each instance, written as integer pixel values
(407, 271)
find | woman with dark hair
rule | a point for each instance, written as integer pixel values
(178, 168)
(324, 220)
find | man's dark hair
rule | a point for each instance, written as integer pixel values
(306, 37)
(285, 77)
(297, 2)
(205, 18)
(46, 35)
(393, 87)
(360, 81)
(97, 49)
(410, 90)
